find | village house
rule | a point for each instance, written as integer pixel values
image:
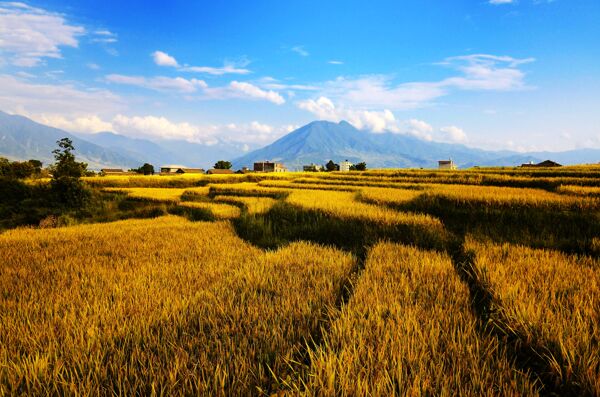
(546, 163)
(214, 171)
(268, 166)
(345, 166)
(312, 168)
(178, 169)
(447, 165)
(112, 171)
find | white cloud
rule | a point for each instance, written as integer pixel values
(496, 2)
(334, 62)
(24, 97)
(453, 134)
(299, 49)
(251, 91)
(83, 124)
(164, 59)
(217, 71)
(29, 34)
(274, 84)
(418, 128)
(159, 83)
(104, 36)
(376, 121)
(93, 66)
(156, 127)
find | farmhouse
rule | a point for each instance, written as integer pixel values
(214, 171)
(312, 168)
(178, 169)
(112, 171)
(546, 163)
(268, 166)
(345, 166)
(447, 165)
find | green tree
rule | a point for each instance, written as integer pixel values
(223, 165)
(146, 169)
(331, 166)
(66, 185)
(66, 165)
(362, 166)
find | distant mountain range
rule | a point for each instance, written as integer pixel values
(320, 141)
(23, 139)
(317, 142)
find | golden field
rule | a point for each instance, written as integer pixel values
(384, 282)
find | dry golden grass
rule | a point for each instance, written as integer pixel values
(552, 299)
(246, 189)
(254, 205)
(161, 306)
(409, 330)
(219, 210)
(295, 184)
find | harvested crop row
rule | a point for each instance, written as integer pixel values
(408, 330)
(157, 306)
(550, 301)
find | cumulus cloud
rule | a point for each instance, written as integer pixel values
(164, 59)
(82, 124)
(418, 128)
(159, 83)
(248, 90)
(29, 34)
(375, 121)
(453, 134)
(156, 127)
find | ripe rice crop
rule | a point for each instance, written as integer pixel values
(551, 300)
(295, 184)
(408, 329)
(580, 190)
(218, 210)
(162, 306)
(152, 194)
(253, 205)
(343, 205)
(247, 189)
(387, 196)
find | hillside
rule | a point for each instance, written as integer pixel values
(320, 141)
(22, 139)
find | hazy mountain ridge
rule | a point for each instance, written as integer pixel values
(316, 142)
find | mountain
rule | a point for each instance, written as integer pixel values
(23, 139)
(162, 151)
(320, 141)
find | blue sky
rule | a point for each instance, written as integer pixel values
(521, 74)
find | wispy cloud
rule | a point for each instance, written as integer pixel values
(29, 34)
(299, 49)
(334, 62)
(163, 59)
(159, 83)
(104, 36)
(498, 2)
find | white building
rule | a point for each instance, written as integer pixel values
(446, 165)
(345, 166)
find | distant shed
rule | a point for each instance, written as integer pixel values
(546, 163)
(214, 171)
